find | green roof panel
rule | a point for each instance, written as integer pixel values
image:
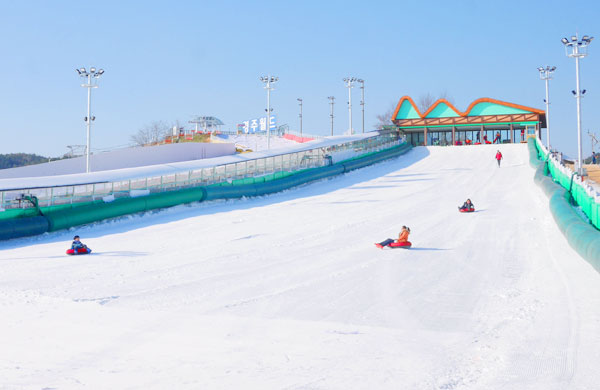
(407, 111)
(486, 108)
(442, 110)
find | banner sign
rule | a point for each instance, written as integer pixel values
(259, 125)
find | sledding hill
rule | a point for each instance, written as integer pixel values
(288, 290)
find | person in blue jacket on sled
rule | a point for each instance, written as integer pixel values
(467, 207)
(78, 248)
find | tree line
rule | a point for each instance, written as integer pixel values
(13, 160)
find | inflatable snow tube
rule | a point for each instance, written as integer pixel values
(467, 210)
(405, 245)
(79, 251)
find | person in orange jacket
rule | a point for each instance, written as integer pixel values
(402, 237)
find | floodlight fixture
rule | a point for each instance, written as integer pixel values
(331, 103)
(546, 75)
(300, 100)
(578, 50)
(268, 80)
(89, 118)
(362, 101)
(350, 84)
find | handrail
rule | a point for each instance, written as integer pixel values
(218, 174)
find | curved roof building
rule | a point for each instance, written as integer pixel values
(484, 121)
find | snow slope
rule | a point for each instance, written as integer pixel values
(288, 291)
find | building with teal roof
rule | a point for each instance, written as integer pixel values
(485, 121)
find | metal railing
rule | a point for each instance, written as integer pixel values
(287, 162)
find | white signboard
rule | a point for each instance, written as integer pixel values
(258, 125)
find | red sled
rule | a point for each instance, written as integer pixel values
(467, 210)
(404, 245)
(80, 251)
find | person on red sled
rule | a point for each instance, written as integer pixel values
(498, 157)
(468, 205)
(403, 237)
(78, 244)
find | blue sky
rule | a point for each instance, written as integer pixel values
(171, 60)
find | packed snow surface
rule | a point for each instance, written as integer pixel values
(287, 291)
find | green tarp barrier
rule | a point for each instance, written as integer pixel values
(582, 236)
(66, 216)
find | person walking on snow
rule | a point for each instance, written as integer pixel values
(498, 157)
(403, 237)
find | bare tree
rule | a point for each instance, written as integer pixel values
(153, 132)
(447, 97)
(425, 101)
(385, 119)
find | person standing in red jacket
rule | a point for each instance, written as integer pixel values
(498, 157)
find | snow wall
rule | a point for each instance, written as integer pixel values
(52, 219)
(582, 236)
(124, 158)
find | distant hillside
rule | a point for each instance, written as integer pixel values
(13, 160)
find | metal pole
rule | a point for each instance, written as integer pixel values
(578, 96)
(89, 123)
(362, 103)
(300, 100)
(350, 106)
(547, 115)
(268, 112)
(576, 45)
(331, 100)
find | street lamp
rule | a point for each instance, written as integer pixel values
(268, 80)
(362, 101)
(578, 50)
(546, 75)
(349, 84)
(300, 100)
(95, 74)
(331, 103)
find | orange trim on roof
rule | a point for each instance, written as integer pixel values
(402, 99)
(434, 105)
(463, 114)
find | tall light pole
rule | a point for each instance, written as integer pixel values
(546, 75)
(331, 103)
(300, 100)
(578, 50)
(349, 84)
(95, 74)
(362, 101)
(268, 80)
